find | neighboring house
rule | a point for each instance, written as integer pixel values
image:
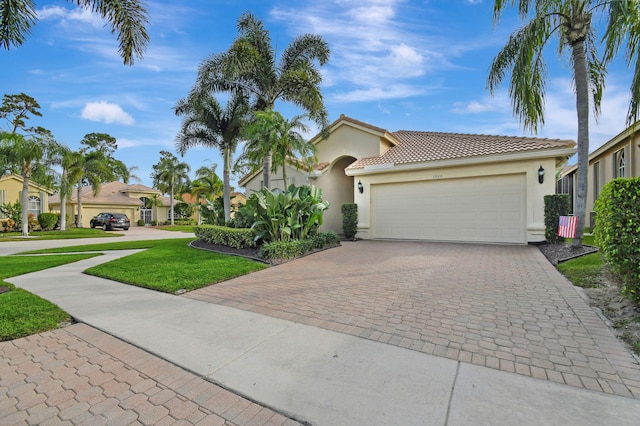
(237, 199)
(619, 157)
(116, 197)
(11, 190)
(433, 186)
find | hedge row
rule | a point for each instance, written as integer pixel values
(555, 205)
(617, 230)
(285, 250)
(231, 237)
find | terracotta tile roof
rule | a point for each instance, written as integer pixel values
(416, 147)
(111, 193)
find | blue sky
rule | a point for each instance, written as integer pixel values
(396, 64)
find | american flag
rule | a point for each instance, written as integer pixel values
(567, 226)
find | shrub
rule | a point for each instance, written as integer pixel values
(350, 220)
(231, 237)
(140, 222)
(555, 205)
(154, 223)
(617, 231)
(32, 222)
(13, 212)
(285, 250)
(326, 239)
(295, 214)
(48, 221)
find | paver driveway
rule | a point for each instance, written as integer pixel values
(504, 307)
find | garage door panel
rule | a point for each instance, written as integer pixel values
(484, 209)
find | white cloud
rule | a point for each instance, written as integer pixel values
(75, 15)
(397, 91)
(106, 112)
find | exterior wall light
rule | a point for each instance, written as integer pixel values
(540, 174)
(360, 187)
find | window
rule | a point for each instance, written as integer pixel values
(596, 180)
(620, 164)
(34, 205)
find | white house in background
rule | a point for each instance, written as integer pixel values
(431, 186)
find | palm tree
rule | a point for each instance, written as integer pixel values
(270, 131)
(168, 174)
(571, 21)
(127, 18)
(206, 123)
(23, 154)
(206, 186)
(250, 67)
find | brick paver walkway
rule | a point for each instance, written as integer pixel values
(504, 307)
(79, 375)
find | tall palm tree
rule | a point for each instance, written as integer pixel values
(270, 131)
(23, 154)
(127, 18)
(206, 123)
(571, 21)
(250, 66)
(168, 174)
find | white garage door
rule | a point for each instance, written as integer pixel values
(483, 209)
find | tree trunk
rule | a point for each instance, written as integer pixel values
(171, 202)
(284, 175)
(582, 108)
(266, 171)
(24, 201)
(63, 201)
(226, 186)
(79, 215)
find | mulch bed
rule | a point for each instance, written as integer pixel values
(4, 289)
(557, 253)
(245, 252)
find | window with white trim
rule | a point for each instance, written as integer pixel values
(620, 164)
(34, 205)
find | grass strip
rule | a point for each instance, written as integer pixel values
(583, 271)
(69, 234)
(120, 245)
(173, 265)
(178, 228)
(23, 313)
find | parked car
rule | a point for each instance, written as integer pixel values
(109, 221)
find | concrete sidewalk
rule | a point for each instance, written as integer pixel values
(313, 374)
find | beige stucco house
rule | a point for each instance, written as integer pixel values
(11, 189)
(134, 200)
(432, 186)
(619, 157)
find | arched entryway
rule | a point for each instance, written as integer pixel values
(337, 188)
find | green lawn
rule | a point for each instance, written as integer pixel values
(583, 271)
(119, 245)
(173, 266)
(178, 228)
(169, 265)
(58, 235)
(23, 313)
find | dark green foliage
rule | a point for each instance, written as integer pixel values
(140, 222)
(231, 237)
(295, 214)
(286, 250)
(555, 205)
(350, 220)
(617, 230)
(48, 221)
(326, 239)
